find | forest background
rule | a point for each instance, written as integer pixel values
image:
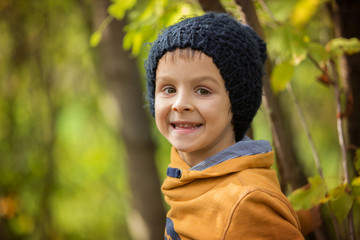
(80, 157)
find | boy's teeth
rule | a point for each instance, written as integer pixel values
(186, 125)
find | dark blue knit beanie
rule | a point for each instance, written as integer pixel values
(236, 50)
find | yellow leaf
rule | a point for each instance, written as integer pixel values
(303, 11)
(137, 43)
(95, 39)
(119, 8)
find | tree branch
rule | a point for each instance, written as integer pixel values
(212, 6)
(306, 128)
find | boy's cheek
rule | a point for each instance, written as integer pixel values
(161, 126)
(160, 105)
(159, 119)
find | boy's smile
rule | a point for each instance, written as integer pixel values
(185, 127)
(192, 107)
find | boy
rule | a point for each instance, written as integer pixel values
(204, 78)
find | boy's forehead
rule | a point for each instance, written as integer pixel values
(187, 64)
(184, 54)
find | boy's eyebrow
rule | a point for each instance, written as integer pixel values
(205, 78)
(164, 79)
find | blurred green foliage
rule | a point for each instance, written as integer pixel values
(60, 153)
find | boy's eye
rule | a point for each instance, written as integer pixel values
(169, 90)
(203, 91)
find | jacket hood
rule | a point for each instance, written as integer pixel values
(242, 155)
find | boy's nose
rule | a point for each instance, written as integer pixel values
(182, 104)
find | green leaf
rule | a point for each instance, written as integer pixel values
(288, 44)
(95, 38)
(306, 198)
(318, 52)
(338, 46)
(281, 75)
(145, 22)
(119, 8)
(340, 202)
(355, 189)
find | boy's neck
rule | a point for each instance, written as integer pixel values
(195, 157)
(191, 159)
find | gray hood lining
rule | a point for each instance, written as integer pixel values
(245, 147)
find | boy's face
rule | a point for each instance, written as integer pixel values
(192, 107)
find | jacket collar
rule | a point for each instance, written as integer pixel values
(244, 154)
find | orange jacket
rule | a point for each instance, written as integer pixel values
(239, 198)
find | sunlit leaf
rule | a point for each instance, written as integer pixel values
(137, 43)
(119, 8)
(281, 75)
(145, 23)
(339, 46)
(305, 198)
(340, 202)
(303, 11)
(281, 9)
(127, 40)
(95, 38)
(288, 44)
(156, 8)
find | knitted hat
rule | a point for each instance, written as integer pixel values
(234, 48)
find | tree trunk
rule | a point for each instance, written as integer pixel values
(123, 80)
(289, 166)
(346, 15)
(212, 6)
